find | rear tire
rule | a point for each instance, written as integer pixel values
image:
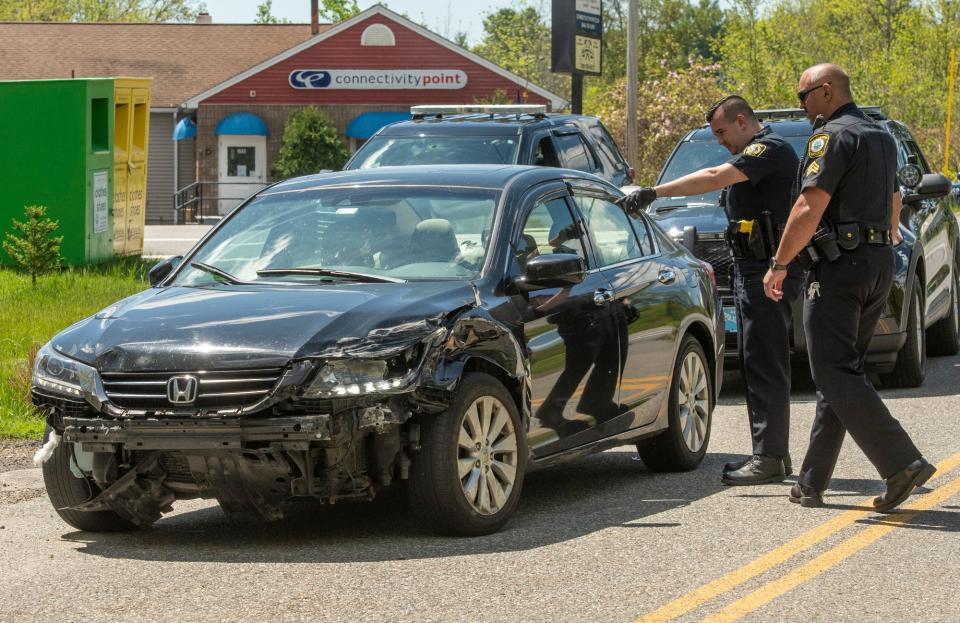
(65, 490)
(683, 445)
(456, 487)
(943, 338)
(911, 366)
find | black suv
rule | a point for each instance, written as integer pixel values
(922, 313)
(522, 134)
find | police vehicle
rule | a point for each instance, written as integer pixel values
(922, 315)
(496, 134)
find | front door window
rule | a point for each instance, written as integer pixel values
(242, 161)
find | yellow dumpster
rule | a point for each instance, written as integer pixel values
(130, 137)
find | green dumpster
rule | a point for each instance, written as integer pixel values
(56, 150)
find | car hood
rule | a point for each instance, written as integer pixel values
(235, 327)
(705, 217)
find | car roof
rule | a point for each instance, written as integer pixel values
(786, 122)
(506, 124)
(493, 176)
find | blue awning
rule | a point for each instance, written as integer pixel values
(245, 123)
(185, 128)
(366, 125)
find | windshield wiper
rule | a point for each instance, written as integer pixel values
(674, 206)
(328, 272)
(217, 272)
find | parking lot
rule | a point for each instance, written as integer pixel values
(601, 539)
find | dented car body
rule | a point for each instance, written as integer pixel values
(338, 332)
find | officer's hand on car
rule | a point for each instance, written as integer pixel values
(638, 200)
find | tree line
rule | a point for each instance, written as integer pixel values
(692, 52)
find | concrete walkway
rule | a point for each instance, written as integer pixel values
(166, 240)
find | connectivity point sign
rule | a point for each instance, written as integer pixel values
(577, 37)
(397, 79)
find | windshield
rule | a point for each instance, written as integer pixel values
(694, 155)
(353, 234)
(386, 151)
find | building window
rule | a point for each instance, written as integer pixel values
(377, 35)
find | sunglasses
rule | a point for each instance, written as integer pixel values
(804, 93)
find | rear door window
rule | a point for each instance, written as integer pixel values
(574, 153)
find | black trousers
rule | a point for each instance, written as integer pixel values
(844, 301)
(763, 346)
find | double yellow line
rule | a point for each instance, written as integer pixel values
(829, 559)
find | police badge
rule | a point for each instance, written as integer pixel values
(817, 145)
(755, 149)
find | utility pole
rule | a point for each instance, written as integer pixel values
(946, 153)
(632, 147)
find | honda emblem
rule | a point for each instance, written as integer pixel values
(182, 390)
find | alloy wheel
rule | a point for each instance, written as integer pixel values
(693, 397)
(487, 455)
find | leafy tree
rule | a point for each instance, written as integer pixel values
(667, 108)
(336, 11)
(33, 247)
(265, 15)
(310, 143)
(99, 10)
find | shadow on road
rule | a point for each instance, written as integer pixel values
(607, 490)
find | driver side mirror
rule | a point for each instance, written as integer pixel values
(162, 269)
(931, 186)
(555, 270)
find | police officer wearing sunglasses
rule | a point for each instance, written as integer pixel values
(849, 206)
(760, 178)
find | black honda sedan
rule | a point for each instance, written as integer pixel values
(448, 326)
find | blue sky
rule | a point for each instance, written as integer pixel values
(446, 17)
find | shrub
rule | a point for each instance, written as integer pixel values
(310, 144)
(33, 248)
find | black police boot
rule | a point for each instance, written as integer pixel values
(758, 470)
(901, 484)
(787, 465)
(806, 496)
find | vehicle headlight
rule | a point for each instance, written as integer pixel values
(345, 378)
(63, 376)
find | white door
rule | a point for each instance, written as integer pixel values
(243, 168)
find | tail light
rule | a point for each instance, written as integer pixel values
(710, 272)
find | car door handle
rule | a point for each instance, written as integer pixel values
(601, 297)
(667, 276)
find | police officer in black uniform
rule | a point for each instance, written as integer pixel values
(849, 198)
(760, 178)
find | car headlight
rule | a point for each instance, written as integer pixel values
(345, 378)
(63, 376)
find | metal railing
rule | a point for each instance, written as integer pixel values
(208, 202)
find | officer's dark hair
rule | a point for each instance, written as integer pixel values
(731, 106)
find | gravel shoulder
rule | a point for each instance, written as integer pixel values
(17, 454)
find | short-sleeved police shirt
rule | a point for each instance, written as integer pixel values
(854, 159)
(770, 165)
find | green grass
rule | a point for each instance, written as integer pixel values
(30, 316)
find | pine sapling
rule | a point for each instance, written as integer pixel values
(33, 247)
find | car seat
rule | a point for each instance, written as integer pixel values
(433, 240)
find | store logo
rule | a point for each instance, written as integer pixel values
(378, 79)
(309, 79)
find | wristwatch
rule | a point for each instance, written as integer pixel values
(775, 265)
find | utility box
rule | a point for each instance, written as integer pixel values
(131, 133)
(60, 148)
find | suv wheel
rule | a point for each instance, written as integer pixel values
(65, 489)
(943, 338)
(911, 366)
(682, 446)
(467, 476)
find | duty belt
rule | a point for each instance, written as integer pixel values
(752, 239)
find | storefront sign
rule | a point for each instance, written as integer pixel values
(405, 79)
(101, 201)
(577, 35)
(589, 18)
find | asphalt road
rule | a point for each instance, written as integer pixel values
(601, 539)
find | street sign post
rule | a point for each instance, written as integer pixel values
(577, 43)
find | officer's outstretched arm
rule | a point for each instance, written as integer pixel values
(702, 181)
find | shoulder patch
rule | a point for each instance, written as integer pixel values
(755, 149)
(817, 145)
(813, 169)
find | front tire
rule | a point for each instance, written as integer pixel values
(466, 478)
(911, 366)
(65, 490)
(683, 445)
